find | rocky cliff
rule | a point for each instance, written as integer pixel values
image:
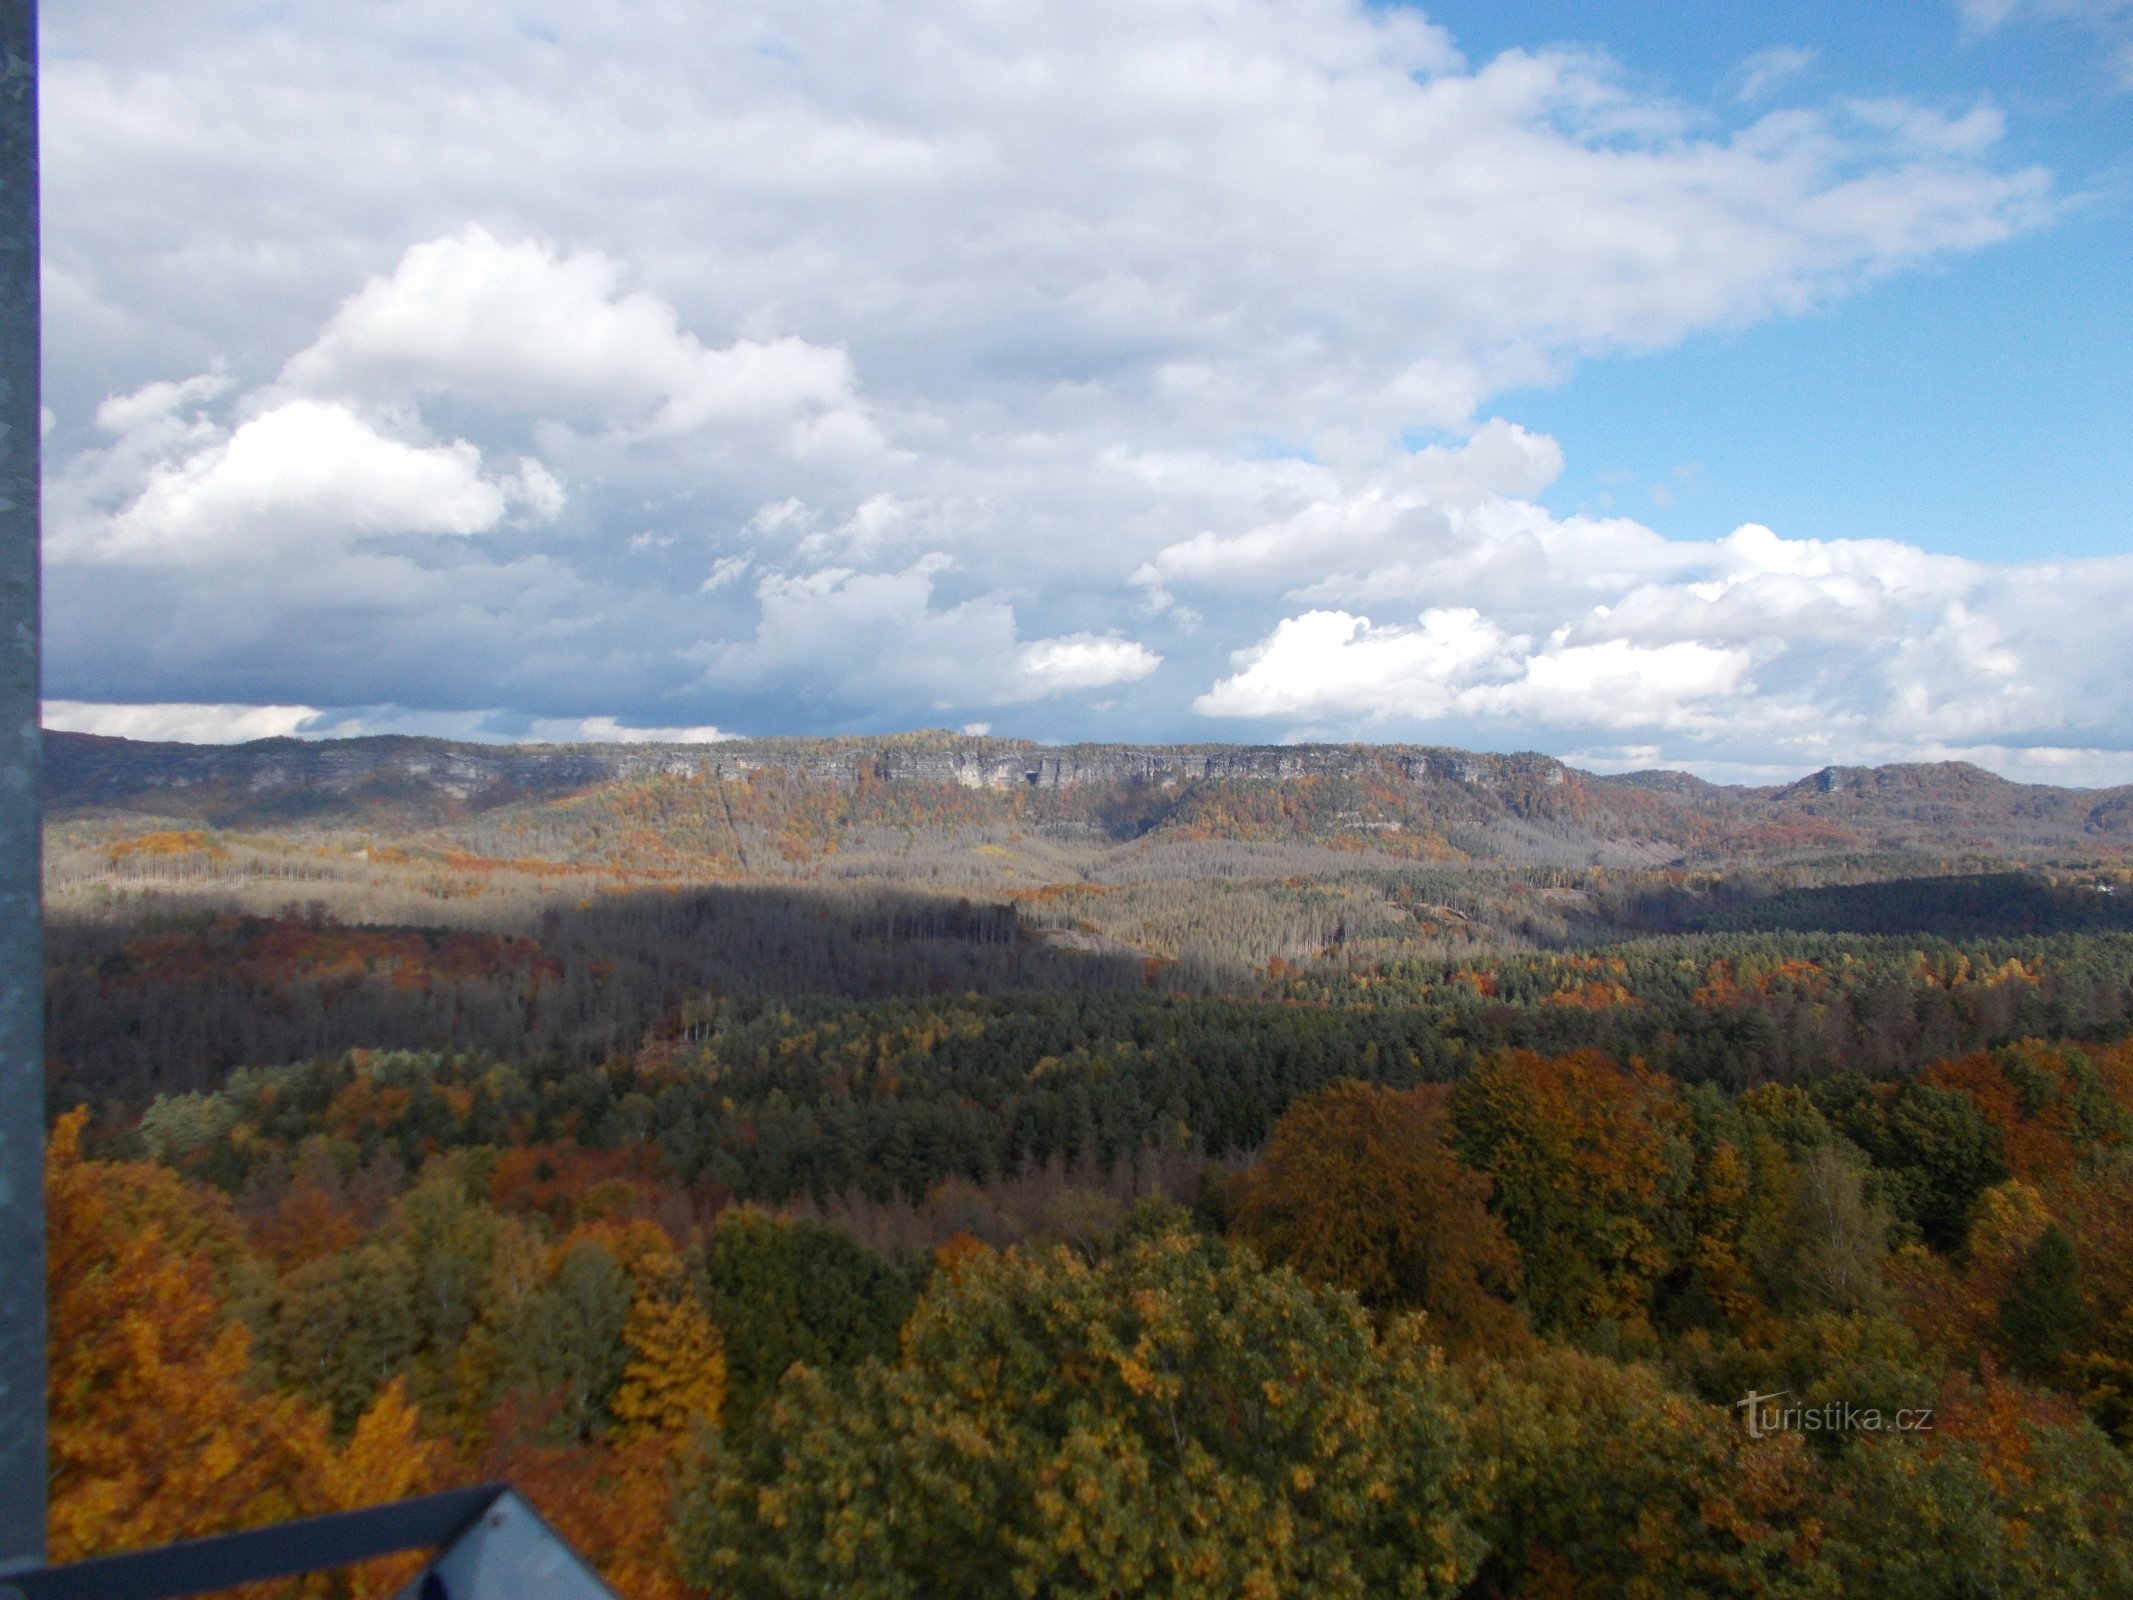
(1486, 803)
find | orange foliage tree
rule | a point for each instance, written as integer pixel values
(1358, 1189)
(156, 1432)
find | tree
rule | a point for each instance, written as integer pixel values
(1586, 1158)
(345, 1325)
(675, 1378)
(1937, 1148)
(1358, 1189)
(451, 1239)
(566, 1339)
(1609, 1484)
(154, 1432)
(782, 1291)
(611, 1501)
(2008, 1494)
(1171, 1421)
(2042, 1316)
(157, 1432)
(1836, 1238)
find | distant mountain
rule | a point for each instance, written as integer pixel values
(805, 795)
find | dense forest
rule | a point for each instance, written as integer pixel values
(1213, 1200)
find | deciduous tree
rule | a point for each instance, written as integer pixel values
(1358, 1189)
(1172, 1421)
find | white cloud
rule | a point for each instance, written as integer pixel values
(1009, 353)
(1764, 70)
(155, 403)
(236, 724)
(516, 327)
(1744, 649)
(2110, 22)
(1331, 663)
(725, 570)
(859, 636)
(1617, 684)
(606, 730)
(1411, 502)
(1308, 216)
(1990, 14)
(535, 488)
(302, 475)
(1084, 661)
(191, 724)
(1458, 663)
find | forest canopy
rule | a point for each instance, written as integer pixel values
(800, 1186)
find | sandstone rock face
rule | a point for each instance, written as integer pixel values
(82, 768)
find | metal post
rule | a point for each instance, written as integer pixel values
(23, 1484)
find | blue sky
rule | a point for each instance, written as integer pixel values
(1977, 405)
(1739, 389)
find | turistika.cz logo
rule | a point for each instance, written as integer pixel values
(1765, 1417)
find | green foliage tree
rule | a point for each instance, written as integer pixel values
(782, 1291)
(2027, 1506)
(1938, 1148)
(1586, 1157)
(2042, 1315)
(1171, 1421)
(345, 1325)
(451, 1240)
(1830, 1252)
(1610, 1484)
(566, 1343)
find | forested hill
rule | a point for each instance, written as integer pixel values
(806, 795)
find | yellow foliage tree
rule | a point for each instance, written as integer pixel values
(156, 1432)
(676, 1375)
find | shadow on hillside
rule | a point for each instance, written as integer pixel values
(174, 1004)
(1984, 905)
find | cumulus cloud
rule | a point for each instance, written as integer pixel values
(1312, 216)
(1083, 661)
(299, 475)
(237, 724)
(725, 570)
(1412, 504)
(156, 404)
(519, 328)
(1751, 646)
(1329, 664)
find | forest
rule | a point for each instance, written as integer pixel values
(1208, 1201)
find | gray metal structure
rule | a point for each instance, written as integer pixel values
(494, 1547)
(22, 1309)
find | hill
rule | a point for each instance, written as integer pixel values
(775, 805)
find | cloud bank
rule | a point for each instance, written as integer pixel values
(1123, 373)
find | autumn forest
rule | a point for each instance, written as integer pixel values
(941, 1166)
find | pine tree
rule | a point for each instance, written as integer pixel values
(2042, 1316)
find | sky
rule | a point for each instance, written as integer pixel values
(1736, 389)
